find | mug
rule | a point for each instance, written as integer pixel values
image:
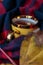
(23, 25)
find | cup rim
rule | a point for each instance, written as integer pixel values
(25, 25)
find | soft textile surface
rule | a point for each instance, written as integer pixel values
(9, 9)
(31, 53)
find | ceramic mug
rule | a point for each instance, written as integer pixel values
(23, 25)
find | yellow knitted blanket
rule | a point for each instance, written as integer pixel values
(30, 53)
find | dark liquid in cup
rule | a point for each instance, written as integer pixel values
(21, 23)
